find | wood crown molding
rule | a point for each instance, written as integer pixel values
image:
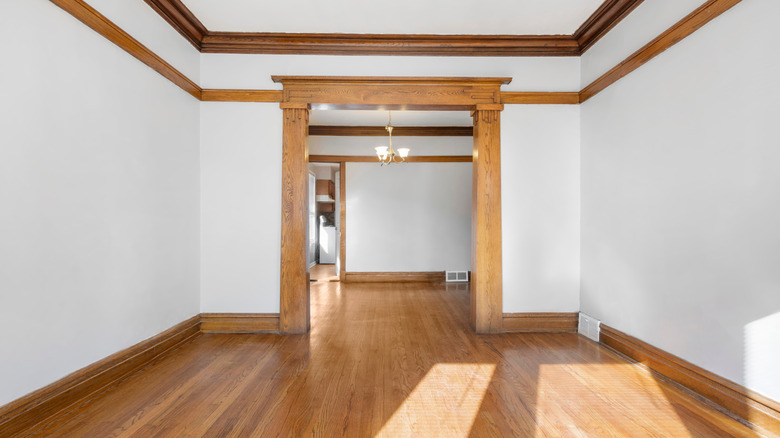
(750, 406)
(24, 415)
(617, 8)
(373, 159)
(539, 322)
(181, 19)
(398, 131)
(679, 31)
(389, 44)
(394, 277)
(105, 27)
(607, 16)
(596, 26)
(240, 322)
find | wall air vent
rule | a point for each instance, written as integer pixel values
(589, 327)
(458, 276)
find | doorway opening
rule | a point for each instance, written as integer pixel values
(324, 222)
(480, 96)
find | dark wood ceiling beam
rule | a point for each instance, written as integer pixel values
(374, 159)
(181, 19)
(609, 14)
(398, 131)
(388, 44)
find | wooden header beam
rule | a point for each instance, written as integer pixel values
(374, 159)
(398, 131)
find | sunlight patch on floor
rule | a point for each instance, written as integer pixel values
(606, 391)
(444, 403)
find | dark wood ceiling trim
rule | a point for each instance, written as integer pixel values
(181, 19)
(688, 25)
(596, 26)
(373, 159)
(398, 131)
(609, 14)
(391, 80)
(105, 27)
(389, 44)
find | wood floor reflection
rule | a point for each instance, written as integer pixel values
(393, 360)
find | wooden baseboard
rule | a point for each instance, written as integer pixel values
(750, 406)
(22, 415)
(240, 322)
(394, 277)
(540, 322)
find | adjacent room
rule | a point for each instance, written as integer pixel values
(495, 218)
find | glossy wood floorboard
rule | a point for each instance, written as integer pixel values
(322, 272)
(393, 360)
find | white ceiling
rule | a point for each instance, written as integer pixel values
(512, 17)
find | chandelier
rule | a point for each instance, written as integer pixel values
(386, 154)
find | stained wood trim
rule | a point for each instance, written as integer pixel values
(181, 19)
(398, 131)
(219, 95)
(540, 322)
(395, 277)
(539, 98)
(749, 405)
(486, 315)
(609, 14)
(373, 159)
(343, 220)
(688, 25)
(389, 44)
(240, 323)
(390, 80)
(22, 415)
(294, 309)
(105, 27)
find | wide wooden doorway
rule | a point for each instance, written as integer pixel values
(481, 96)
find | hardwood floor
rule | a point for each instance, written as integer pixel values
(323, 273)
(393, 360)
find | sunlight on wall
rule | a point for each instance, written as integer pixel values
(444, 403)
(599, 389)
(762, 340)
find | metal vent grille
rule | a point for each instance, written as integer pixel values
(457, 276)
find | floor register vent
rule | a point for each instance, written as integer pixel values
(589, 327)
(457, 276)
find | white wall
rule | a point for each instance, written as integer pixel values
(254, 71)
(145, 25)
(641, 26)
(407, 218)
(98, 199)
(540, 206)
(681, 200)
(241, 198)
